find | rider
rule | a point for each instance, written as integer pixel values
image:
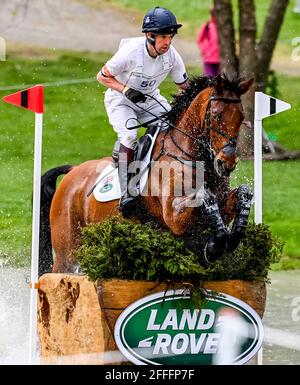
(134, 72)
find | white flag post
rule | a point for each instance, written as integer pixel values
(35, 236)
(265, 106)
(33, 99)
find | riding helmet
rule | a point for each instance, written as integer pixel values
(160, 21)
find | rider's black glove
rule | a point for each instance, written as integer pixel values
(134, 96)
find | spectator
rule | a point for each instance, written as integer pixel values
(209, 46)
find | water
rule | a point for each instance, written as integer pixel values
(282, 313)
(14, 315)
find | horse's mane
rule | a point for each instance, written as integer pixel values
(197, 84)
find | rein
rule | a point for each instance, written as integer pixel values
(231, 140)
(206, 123)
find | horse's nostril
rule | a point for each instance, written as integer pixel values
(228, 170)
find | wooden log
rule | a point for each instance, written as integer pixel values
(71, 326)
(76, 317)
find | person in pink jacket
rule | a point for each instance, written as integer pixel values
(208, 44)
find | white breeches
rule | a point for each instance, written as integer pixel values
(123, 114)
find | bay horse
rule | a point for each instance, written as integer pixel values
(204, 124)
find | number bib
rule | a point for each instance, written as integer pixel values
(145, 83)
(139, 77)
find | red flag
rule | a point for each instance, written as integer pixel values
(32, 99)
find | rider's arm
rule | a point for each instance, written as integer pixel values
(105, 78)
(178, 72)
(184, 86)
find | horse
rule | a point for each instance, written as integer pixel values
(204, 123)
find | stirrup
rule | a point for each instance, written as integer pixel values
(128, 206)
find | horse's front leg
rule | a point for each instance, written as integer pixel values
(177, 201)
(237, 207)
(217, 243)
(178, 212)
(180, 204)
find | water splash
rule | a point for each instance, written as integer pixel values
(14, 316)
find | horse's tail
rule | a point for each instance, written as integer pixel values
(48, 187)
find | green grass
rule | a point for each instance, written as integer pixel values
(76, 129)
(285, 127)
(281, 197)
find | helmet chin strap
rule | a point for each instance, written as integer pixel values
(151, 41)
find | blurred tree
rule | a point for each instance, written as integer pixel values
(249, 57)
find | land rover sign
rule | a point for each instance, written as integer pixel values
(166, 328)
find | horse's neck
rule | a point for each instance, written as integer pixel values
(191, 121)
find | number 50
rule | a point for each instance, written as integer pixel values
(146, 83)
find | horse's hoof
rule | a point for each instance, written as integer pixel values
(245, 193)
(215, 248)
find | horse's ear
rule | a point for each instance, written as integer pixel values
(245, 85)
(218, 83)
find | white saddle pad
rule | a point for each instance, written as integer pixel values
(108, 185)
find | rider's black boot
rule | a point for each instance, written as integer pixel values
(127, 204)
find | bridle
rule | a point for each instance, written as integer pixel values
(231, 141)
(200, 142)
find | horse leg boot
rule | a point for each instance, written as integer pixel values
(244, 201)
(127, 202)
(217, 243)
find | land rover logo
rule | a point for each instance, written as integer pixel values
(166, 328)
(106, 187)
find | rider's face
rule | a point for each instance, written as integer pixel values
(163, 42)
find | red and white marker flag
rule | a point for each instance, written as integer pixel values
(33, 99)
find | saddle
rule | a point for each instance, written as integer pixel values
(107, 186)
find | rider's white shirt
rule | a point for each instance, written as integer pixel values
(133, 66)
